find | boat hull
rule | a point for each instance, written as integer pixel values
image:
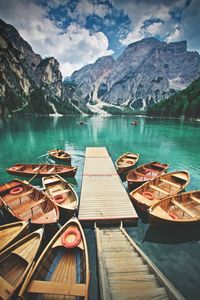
(58, 259)
(60, 155)
(16, 262)
(12, 232)
(45, 170)
(126, 162)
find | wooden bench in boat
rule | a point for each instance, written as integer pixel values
(157, 165)
(15, 197)
(158, 189)
(52, 180)
(50, 170)
(182, 207)
(61, 192)
(5, 288)
(162, 213)
(180, 176)
(142, 199)
(36, 168)
(195, 199)
(141, 174)
(151, 170)
(28, 205)
(131, 156)
(57, 288)
(169, 182)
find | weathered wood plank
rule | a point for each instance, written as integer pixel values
(103, 196)
(127, 271)
(56, 288)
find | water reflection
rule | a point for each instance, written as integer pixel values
(171, 141)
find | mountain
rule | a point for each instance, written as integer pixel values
(30, 84)
(146, 72)
(185, 103)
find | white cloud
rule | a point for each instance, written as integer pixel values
(141, 11)
(174, 36)
(155, 28)
(73, 48)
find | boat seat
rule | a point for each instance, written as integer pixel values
(50, 170)
(140, 198)
(57, 288)
(157, 165)
(169, 182)
(162, 213)
(36, 169)
(158, 189)
(195, 199)
(19, 196)
(142, 175)
(61, 192)
(151, 170)
(49, 181)
(180, 176)
(29, 205)
(186, 210)
(6, 288)
(131, 156)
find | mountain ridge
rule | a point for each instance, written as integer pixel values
(145, 72)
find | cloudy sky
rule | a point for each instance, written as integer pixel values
(77, 32)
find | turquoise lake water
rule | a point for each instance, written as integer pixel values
(175, 251)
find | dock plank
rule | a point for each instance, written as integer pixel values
(125, 272)
(103, 196)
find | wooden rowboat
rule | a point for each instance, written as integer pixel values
(60, 192)
(134, 122)
(145, 173)
(11, 232)
(25, 202)
(62, 270)
(15, 262)
(60, 154)
(42, 170)
(159, 188)
(126, 162)
(180, 209)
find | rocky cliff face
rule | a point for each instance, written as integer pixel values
(143, 74)
(28, 83)
(146, 72)
(91, 78)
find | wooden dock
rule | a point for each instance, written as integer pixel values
(125, 272)
(103, 196)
